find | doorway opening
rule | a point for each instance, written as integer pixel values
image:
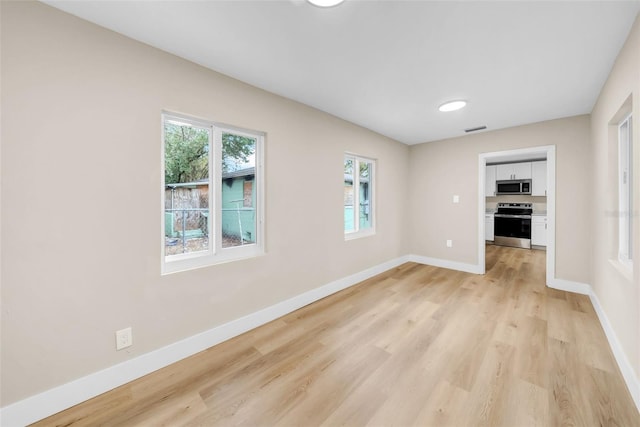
(489, 202)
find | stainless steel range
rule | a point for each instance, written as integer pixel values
(512, 225)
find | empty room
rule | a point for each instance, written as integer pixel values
(319, 212)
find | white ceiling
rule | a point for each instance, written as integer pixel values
(388, 65)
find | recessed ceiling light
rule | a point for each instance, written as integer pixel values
(325, 3)
(452, 106)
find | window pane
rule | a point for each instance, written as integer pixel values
(365, 195)
(186, 183)
(349, 214)
(238, 190)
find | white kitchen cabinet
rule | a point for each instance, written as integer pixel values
(490, 182)
(513, 171)
(488, 227)
(504, 172)
(539, 230)
(539, 178)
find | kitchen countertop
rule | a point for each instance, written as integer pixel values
(537, 213)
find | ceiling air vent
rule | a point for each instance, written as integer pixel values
(475, 129)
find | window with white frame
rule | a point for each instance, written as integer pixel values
(625, 194)
(359, 178)
(211, 193)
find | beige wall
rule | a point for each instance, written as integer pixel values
(81, 122)
(438, 170)
(617, 292)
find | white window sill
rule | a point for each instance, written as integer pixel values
(625, 269)
(195, 261)
(360, 234)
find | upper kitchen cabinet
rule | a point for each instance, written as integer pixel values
(539, 178)
(513, 171)
(490, 181)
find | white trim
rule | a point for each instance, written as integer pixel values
(623, 269)
(52, 401)
(551, 213)
(482, 187)
(628, 373)
(625, 193)
(353, 235)
(570, 286)
(444, 263)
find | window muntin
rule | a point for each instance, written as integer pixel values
(358, 196)
(625, 193)
(211, 193)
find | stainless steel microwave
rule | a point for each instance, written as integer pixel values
(513, 186)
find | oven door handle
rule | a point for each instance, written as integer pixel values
(512, 216)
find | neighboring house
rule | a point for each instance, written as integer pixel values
(239, 204)
(187, 204)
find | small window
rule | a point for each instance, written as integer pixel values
(625, 193)
(211, 193)
(358, 196)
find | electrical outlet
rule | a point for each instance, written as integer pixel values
(456, 198)
(449, 243)
(124, 338)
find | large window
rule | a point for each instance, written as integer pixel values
(211, 193)
(358, 196)
(625, 193)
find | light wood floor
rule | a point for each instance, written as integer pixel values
(417, 345)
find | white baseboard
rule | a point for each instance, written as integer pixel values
(570, 286)
(628, 373)
(444, 263)
(52, 401)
